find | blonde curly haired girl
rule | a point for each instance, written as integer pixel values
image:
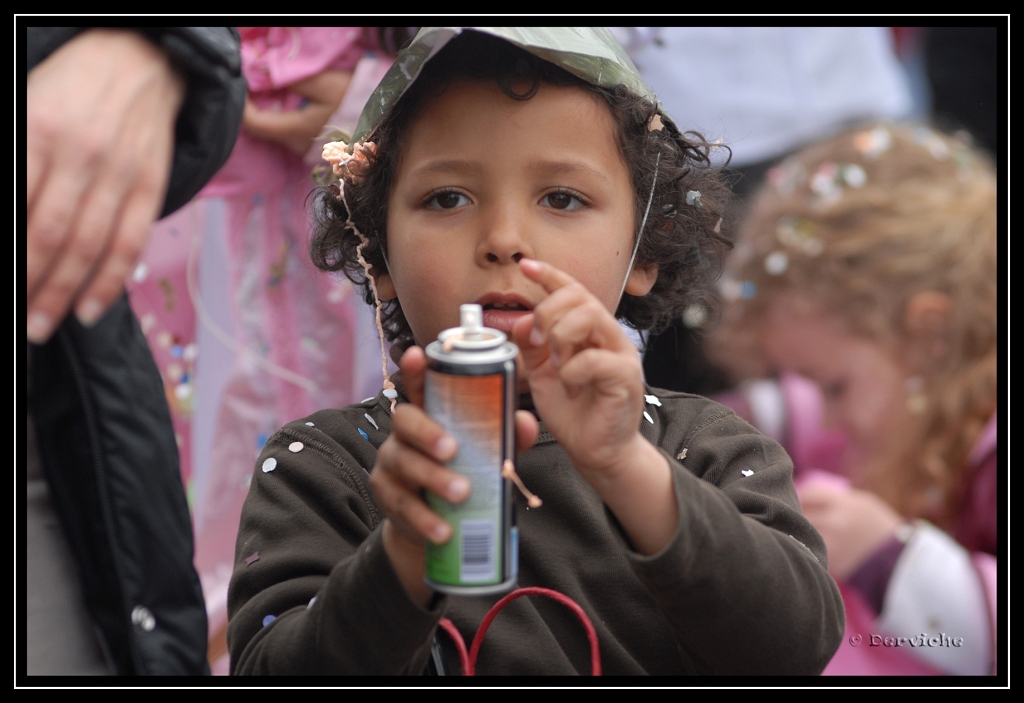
(868, 264)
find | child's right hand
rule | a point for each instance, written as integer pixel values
(410, 461)
(297, 129)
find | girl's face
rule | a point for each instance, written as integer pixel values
(863, 382)
(484, 181)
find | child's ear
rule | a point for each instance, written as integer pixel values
(641, 280)
(385, 286)
(926, 319)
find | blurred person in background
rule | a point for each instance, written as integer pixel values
(764, 91)
(867, 264)
(247, 335)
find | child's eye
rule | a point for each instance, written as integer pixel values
(564, 200)
(446, 200)
(833, 390)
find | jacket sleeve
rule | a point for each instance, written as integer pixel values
(211, 113)
(312, 590)
(744, 583)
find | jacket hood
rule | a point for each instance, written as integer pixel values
(590, 53)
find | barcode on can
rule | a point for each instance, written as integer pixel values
(477, 563)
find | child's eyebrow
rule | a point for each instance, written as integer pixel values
(544, 166)
(443, 166)
(565, 168)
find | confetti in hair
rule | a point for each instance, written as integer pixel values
(776, 263)
(874, 142)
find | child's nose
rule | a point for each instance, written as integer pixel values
(505, 240)
(494, 258)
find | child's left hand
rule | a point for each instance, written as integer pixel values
(587, 385)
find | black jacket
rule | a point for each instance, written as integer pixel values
(104, 429)
(741, 588)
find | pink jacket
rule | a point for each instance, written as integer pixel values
(790, 410)
(863, 650)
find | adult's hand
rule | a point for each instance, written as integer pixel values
(100, 123)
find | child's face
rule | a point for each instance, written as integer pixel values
(863, 382)
(484, 181)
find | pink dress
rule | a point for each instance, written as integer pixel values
(263, 337)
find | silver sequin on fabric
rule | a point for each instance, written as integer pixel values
(143, 619)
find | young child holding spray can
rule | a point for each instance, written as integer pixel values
(529, 171)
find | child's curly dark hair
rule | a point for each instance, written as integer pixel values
(683, 232)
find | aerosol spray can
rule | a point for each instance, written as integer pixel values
(470, 390)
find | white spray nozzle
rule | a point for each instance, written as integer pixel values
(471, 318)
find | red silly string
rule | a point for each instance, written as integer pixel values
(469, 659)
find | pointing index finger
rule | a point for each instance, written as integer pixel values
(549, 277)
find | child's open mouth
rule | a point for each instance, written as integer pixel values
(502, 311)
